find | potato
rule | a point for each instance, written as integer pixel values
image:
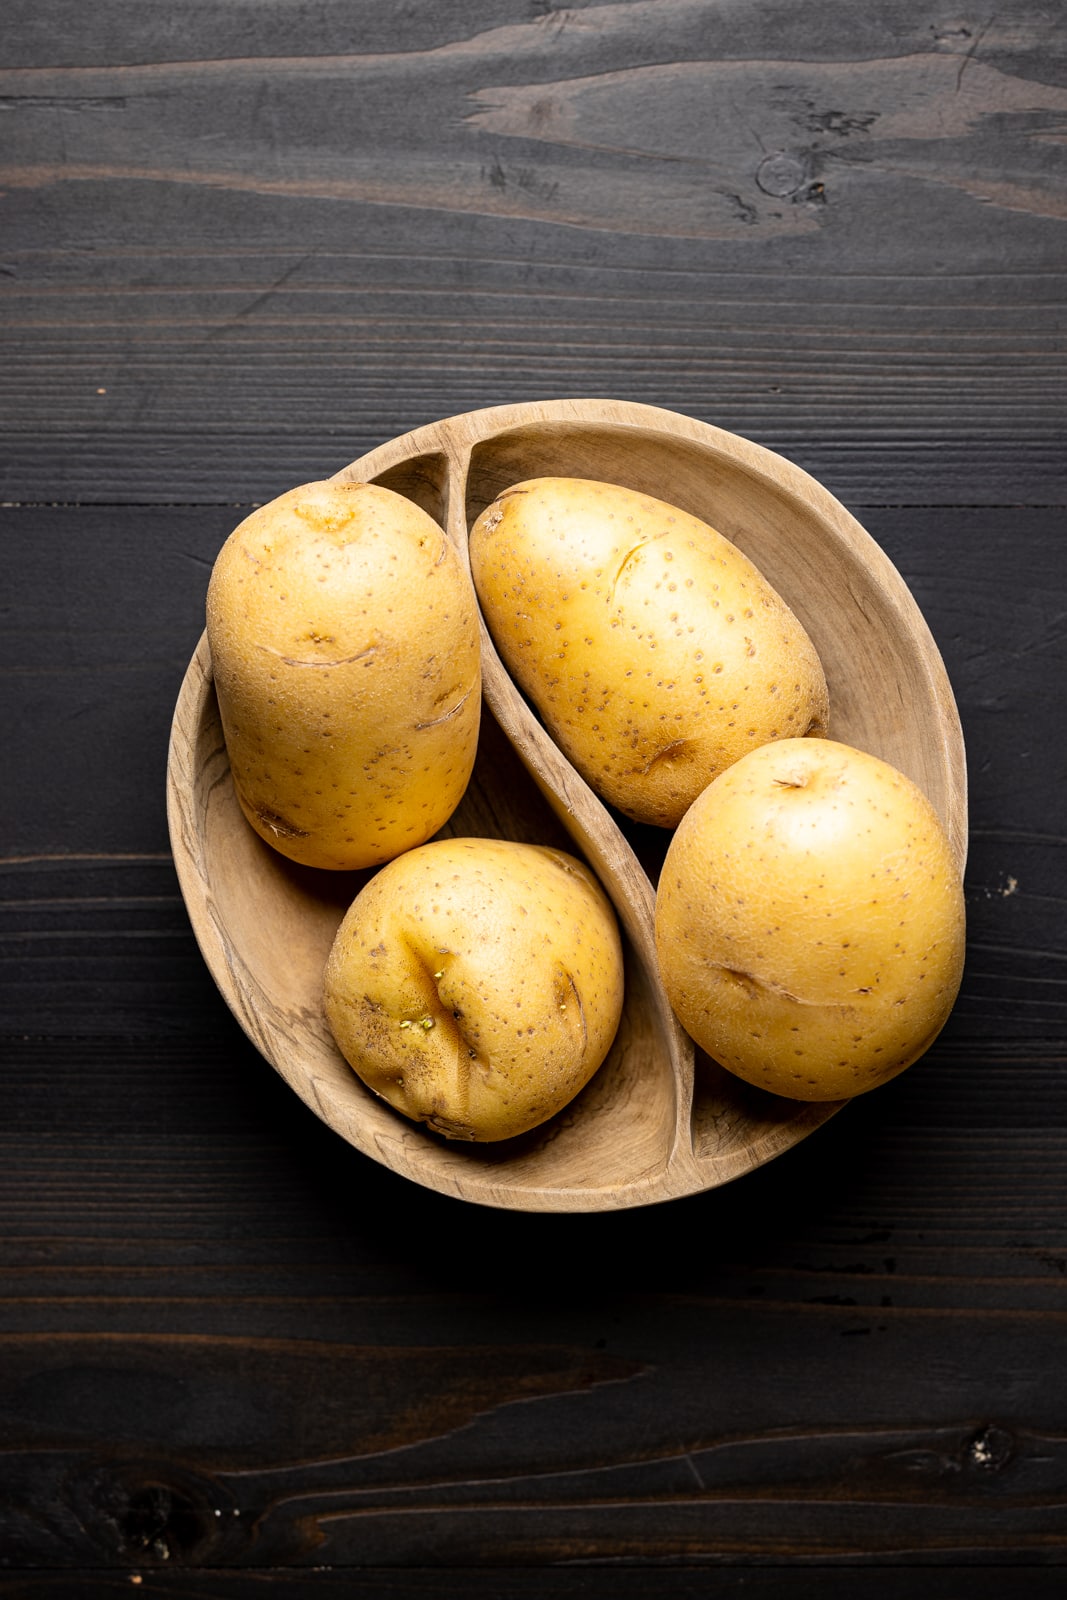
(654, 651)
(344, 640)
(810, 920)
(477, 984)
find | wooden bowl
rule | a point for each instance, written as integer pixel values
(659, 1120)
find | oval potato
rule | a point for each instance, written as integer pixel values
(477, 984)
(653, 649)
(810, 920)
(344, 640)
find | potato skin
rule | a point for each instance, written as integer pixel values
(654, 650)
(477, 984)
(344, 640)
(810, 920)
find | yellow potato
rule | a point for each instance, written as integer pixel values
(344, 641)
(810, 920)
(653, 649)
(477, 984)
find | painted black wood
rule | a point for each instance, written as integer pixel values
(574, 1583)
(239, 245)
(107, 606)
(248, 245)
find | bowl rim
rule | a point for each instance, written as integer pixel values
(457, 438)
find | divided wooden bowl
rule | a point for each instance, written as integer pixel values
(659, 1120)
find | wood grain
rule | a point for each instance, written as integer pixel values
(642, 1131)
(94, 935)
(215, 1325)
(579, 1582)
(826, 234)
(243, 244)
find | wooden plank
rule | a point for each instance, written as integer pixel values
(100, 944)
(242, 245)
(93, 936)
(241, 1316)
(536, 32)
(813, 1581)
(206, 1131)
(209, 1136)
(841, 237)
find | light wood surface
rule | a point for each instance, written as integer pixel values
(654, 1123)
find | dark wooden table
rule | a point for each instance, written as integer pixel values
(240, 244)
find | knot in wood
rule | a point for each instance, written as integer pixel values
(990, 1449)
(781, 175)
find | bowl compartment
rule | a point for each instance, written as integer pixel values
(651, 1125)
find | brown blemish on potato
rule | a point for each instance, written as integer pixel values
(280, 826)
(450, 1127)
(754, 983)
(493, 514)
(338, 661)
(566, 991)
(453, 711)
(669, 752)
(630, 556)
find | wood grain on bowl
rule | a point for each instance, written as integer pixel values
(653, 1123)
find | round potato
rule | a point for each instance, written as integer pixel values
(810, 920)
(343, 630)
(477, 984)
(653, 649)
